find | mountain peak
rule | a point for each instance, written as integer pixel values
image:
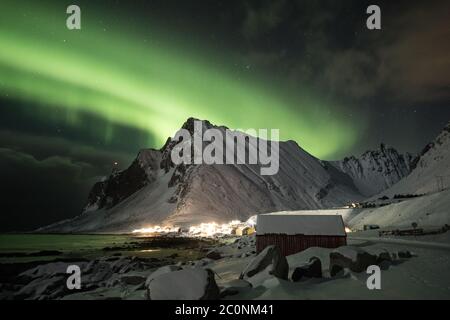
(430, 170)
(153, 190)
(376, 170)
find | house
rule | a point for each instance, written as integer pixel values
(294, 232)
(243, 231)
(371, 227)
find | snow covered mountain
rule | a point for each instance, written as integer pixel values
(155, 191)
(377, 170)
(430, 170)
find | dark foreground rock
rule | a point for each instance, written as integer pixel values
(311, 269)
(353, 258)
(270, 260)
(234, 287)
(214, 255)
(404, 254)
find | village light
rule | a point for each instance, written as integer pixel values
(156, 229)
(209, 229)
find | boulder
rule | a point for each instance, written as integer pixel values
(404, 254)
(161, 271)
(234, 287)
(311, 269)
(270, 260)
(132, 280)
(336, 270)
(214, 255)
(384, 256)
(237, 283)
(353, 258)
(186, 284)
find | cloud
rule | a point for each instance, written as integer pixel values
(352, 73)
(263, 18)
(416, 61)
(46, 179)
(39, 192)
(325, 46)
(61, 167)
(98, 159)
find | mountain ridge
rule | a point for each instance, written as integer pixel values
(376, 170)
(153, 190)
(430, 169)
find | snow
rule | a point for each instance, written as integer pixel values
(160, 271)
(433, 163)
(187, 284)
(218, 193)
(375, 171)
(349, 252)
(424, 276)
(296, 222)
(431, 211)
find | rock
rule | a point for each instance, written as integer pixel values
(271, 260)
(201, 262)
(186, 284)
(237, 283)
(234, 287)
(336, 270)
(384, 265)
(132, 280)
(384, 256)
(214, 255)
(44, 288)
(353, 258)
(101, 271)
(160, 271)
(404, 254)
(228, 292)
(311, 269)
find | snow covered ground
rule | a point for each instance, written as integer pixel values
(430, 210)
(431, 172)
(423, 276)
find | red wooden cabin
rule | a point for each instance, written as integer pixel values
(293, 232)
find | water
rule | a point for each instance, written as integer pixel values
(28, 247)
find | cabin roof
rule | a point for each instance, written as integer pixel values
(296, 223)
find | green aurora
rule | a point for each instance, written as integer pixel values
(149, 80)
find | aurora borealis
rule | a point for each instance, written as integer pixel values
(116, 76)
(74, 102)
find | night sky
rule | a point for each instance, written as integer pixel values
(74, 102)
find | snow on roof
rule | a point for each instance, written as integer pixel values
(295, 222)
